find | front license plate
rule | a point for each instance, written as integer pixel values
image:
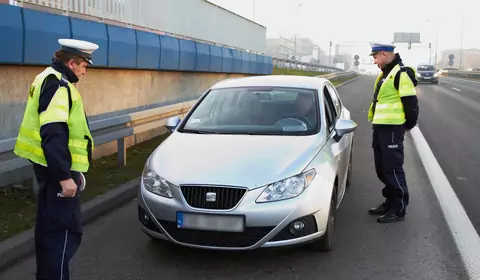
(427, 78)
(229, 223)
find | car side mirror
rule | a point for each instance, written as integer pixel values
(344, 126)
(172, 123)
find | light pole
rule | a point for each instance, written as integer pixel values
(253, 9)
(430, 53)
(436, 42)
(461, 44)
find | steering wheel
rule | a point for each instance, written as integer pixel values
(293, 120)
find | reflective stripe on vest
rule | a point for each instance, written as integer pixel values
(29, 141)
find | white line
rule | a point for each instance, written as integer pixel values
(463, 232)
(459, 79)
(456, 89)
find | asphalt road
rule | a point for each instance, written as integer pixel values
(450, 122)
(419, 248)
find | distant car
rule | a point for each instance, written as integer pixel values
(257, 162)
(426, 73)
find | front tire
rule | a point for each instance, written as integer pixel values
(325, 243)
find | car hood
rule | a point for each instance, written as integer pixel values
(236, 160)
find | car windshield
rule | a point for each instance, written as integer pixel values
(425, 68)
(256, 111)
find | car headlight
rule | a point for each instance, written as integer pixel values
(287, 188)
(419, 75)
(156, 184)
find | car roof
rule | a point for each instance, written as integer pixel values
(273, 80)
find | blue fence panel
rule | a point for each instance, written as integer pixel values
(253, 64)
(264, 64)
(122, 47)
(42, 31)
(215, 58)
(203, 57)
(148, 50)
(237, 61)
(269, 65)
(11, 28)
(227, 60)
(94, 32)
(188, 55)
(170, 53)
(245, 62)
(259, 64)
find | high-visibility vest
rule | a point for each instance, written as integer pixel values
(80, 143)
(388, 104)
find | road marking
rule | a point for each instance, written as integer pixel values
(466, 80)
(456, 89)
(461, 228)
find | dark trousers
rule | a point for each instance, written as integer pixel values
(58, 229)
(388, 152)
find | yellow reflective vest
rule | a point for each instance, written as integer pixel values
(389, 107)
(80, 143)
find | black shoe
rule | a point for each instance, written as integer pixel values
(380, 210)
(390, 217)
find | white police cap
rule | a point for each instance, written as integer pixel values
(377, 47)
(81, 48)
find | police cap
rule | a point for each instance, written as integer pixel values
(378, 47)
(81, 48)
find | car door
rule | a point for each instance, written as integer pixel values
(339, 147)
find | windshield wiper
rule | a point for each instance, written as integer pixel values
(239, 133)
(196, 131)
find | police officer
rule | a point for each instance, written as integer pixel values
(393, 111)
(55, 137)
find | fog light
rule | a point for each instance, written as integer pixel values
(145, 217)
(297, 226)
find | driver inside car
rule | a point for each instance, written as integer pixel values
(304, 108)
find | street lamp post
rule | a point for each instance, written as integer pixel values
(461, 44)
(436, 50)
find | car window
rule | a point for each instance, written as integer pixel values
(256, 110)
(335, 98)
(425, 68)
(331, 115)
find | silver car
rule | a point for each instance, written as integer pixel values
(257, 162)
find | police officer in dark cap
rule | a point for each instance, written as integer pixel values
(393, 111)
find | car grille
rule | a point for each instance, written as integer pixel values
(249, 237)
(226, 198)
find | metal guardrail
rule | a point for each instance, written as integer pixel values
(110, 130)
(293, 64)
(464, 74)
(104, 131)
(339, 76)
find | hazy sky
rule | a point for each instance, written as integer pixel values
(362, 21)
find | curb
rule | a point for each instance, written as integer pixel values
(349, 81)
(22, 245)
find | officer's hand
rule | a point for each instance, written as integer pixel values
(69, 188)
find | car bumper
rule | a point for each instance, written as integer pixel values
(430, 79)
(266, 224)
